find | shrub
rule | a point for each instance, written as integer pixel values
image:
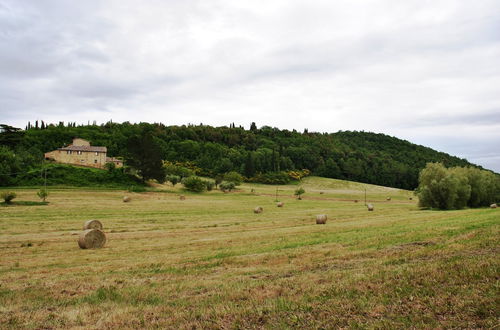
(8, 196)
(234, 177)
(194, 183)
(457, 187)
(110, 166)
(298, 192)
(42, 194)
(181, 171)
(209, 185)
(173, 179)
(271, 178)
(227, 186)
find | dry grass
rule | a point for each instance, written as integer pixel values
(207, 262)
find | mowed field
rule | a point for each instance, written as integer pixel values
(210, 262)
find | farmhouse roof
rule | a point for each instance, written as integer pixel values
(84, 148)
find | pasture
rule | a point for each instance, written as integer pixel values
(209, 262)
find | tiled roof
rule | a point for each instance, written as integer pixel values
(84, 148)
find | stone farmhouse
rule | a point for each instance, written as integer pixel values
(80, 152)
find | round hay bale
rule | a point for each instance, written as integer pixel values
(493, 206)
(258, 209)
(355, 201)
(280, 204)
(182, 197)
(321, 192)
(388, 198)
(370, 207)
(321, 219)
(92, 224)
(410, 198)
(91, 239)
(126, 199)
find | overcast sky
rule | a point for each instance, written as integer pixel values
(424, 71)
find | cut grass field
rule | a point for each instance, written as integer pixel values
(210, 262)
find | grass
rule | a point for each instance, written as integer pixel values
(210, 262)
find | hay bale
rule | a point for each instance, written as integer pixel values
(92, 224)
(280, 204)
(388, 198)
(493, 206)
(258, 209)
(370, 207)
(126, 199)
(355, 201)
(182, 197)
(321, 192)
(91, 239)
(410, 198)
(321, 219)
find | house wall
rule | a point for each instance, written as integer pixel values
(86, 158)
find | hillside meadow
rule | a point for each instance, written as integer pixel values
(210, 262)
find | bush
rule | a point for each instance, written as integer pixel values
(42, 194)
(182, 172)
(173, 179)
(209, 185)
(457, 187)
(194, 183)
(233, 177)
(272, 178)
(227, 186)
(8, 196)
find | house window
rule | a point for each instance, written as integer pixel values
(96, 153)
(95, 161)
(79, 152)
(69, 152)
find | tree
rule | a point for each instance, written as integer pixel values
(42, 194)
(233, 177)
(253, 127)
(443, 188)
(8, 196)
(218, 179)
(227, 186)
(143, 154)
(298, 192)
(194, 183)
(173, 179)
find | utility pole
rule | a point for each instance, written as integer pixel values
(365, 196)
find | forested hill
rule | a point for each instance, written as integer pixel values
(357, 156)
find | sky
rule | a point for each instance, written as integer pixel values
(424, 71)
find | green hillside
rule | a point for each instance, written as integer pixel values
(356, 156)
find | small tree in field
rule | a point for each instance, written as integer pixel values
(298, 192)
(227, 186)
(42, 194)
(8, 196)
(194, 183)
(233, 177)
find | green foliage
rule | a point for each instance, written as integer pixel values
(208, 151)
(173, 179)
(218, 179)
(299, 192)
(272, 178)
(8, 196)
(194, 183)
(136, 189)
(227, 186)
(233, 177)
(455, 188)
(61, 174)
(43, 194)
(143, 154)
(110, 166)
(178, 171)
(209, 185)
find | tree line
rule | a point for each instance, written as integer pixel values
(259, 154)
